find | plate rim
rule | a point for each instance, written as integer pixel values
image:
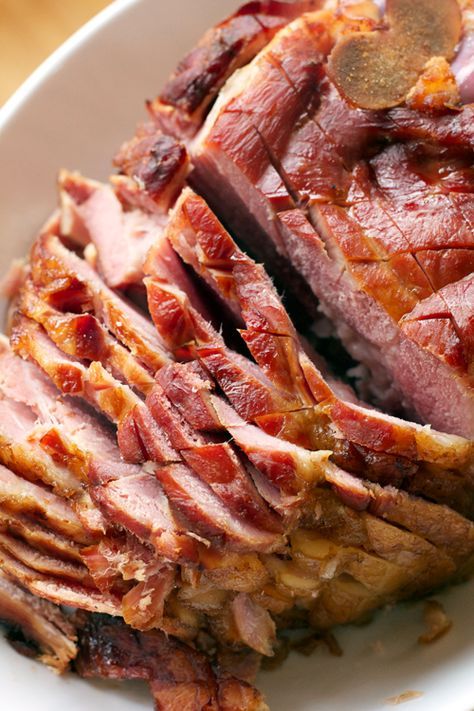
(33, 83)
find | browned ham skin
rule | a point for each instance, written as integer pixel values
(178, 675)
(369, 252)
(36, 627)
(182, 104)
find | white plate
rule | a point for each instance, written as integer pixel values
(74, 112)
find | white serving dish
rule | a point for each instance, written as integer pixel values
(74, 112)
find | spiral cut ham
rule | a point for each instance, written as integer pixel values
(176, 461)
(371, 210)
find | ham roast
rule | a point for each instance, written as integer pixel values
(183, 477)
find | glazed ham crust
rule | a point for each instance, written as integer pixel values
(398, 230)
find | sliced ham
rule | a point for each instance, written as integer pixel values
(82, 336)
(21, 496)
(20, 451)
(202, 241)
(68, 283)
(91, 382)
(197, 502)
(24, 383)
(237, 485)
(189, 388)
(45, 631)
(138, 503)
(142, 439)
(355, 252)
(121, 239)
(58, 590)
(216, 463)
(45, 563)
(23, 527)
(444, 324)
(256, 627)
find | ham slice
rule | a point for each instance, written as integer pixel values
(45, 631)
(21, 496)
(91, 382)
(256, 627)
(121, 238)
(138, 503)
(70, 284)
(20, 450)
(82, 336)
(197, 502)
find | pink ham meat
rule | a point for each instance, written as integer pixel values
(117, 402)
(116, 486)
(80, 442)
(189, 335)
(20, 451)
(243, 282)
(59, 590)
(21, 496)
(72, 377)
(138, 504)
(165, 267)
(287, 466)
(216, 463)
(141, 438)
(88, 447)
(93, 212)
(362, 252)
(64, 427)
(120, 498)
(50, 439)
(199, 238)
(255, 625)
(125, 497)
(25, 528)
(282, 472)
(195, 500)
(443, 325)
(252, 273)
(189, 388)
(276, 465)
(36, 560)
(45, 563)
(181, 106)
